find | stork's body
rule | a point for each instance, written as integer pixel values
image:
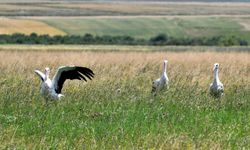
(216, 87)
(51, 89)
(163, 81)
(48, 90)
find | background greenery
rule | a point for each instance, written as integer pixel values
(160, 39)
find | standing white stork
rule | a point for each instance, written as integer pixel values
(51, 89)
(161, 82)
(216, 88)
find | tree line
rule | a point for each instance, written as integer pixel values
(161, 39)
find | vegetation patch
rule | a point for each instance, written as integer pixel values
(149, 26)
(10, 26)
(117, 110)
(159, 40)
(131, 28)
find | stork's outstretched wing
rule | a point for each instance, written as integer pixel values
(70, 72)
(40, 74)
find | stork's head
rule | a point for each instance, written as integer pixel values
(216, 66)
(165, 61)
(47, 70)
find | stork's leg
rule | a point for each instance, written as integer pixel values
(153, 90)
(46, 102)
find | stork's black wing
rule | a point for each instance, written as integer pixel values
(70, 72)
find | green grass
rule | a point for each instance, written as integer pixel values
(96, 116)
(149, 27)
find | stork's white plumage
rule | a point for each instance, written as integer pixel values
(216, 87)
(161, 82)
(51, 89)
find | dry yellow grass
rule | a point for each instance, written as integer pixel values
(196, 65)
(10, 26)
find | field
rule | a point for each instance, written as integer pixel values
(137, 19)
(120, 8)
(121, 48)
(116, 110)
(96, 115)
(11, 26)
(149, 26)
(137, 27)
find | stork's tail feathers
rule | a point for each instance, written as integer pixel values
(153, 89)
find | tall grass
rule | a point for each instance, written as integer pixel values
(97, 115)
(120, 48)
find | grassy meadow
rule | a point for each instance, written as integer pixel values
(150, 26)
(116, 109)
(137, 27)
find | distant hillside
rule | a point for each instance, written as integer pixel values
(200, 0)
(119, 8)
(34, 1)
(180, 0)
(158, 0)
(138, 19)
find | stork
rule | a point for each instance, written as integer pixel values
(161, 82)
(216, 87)
(51, 89)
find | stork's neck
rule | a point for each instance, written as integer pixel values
(46, 75)
(164, 68)
(216, 75)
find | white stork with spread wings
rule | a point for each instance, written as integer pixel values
(51, 89)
